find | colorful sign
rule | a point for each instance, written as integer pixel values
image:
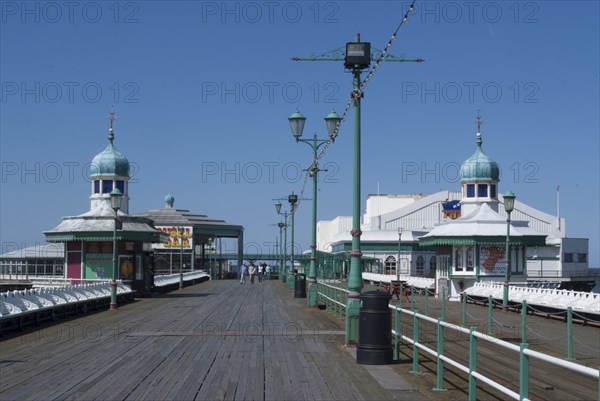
(179, 237)
(98, 265)
(451, 209)
(491, 261)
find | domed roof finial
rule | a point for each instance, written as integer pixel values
(110, 162)
(479, 167)
(479, 122)
(169, 200)
(111, 118)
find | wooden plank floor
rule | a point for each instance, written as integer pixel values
(218, 340)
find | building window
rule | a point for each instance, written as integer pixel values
(96, 186)
(568, 258)
(493, 191)
(470, 264)
(432, 263)
(458, 259)
(582, 258)
(107, 186)
(390, 263)
(121, 186)
(470, 190)
(420, 264)
(482, 190)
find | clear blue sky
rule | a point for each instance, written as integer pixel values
(202, 91)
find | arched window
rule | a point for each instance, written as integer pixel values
(390, 263)
(470, 261)
(420, 264)
(458, 259)
(432, 263)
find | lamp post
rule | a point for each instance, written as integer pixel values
(358, 57)
(115, 202)
(285, 225)
(509, 205)
(281, 225)
(399, 246)
(297, 121)
(292, 199)
(180, 258)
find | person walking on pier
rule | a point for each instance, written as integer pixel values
(267, 272)
(252, 271)
(261, 268)
(243, 273)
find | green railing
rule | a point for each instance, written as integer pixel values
(334, 298)
(471, 370)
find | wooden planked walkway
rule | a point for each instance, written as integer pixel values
(218, 340)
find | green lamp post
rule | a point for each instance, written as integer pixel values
(399, 252)
(297, 121)
(509, 205)
(292, 199)
(115, 202)
(285, 225)
(357, 58)
(180, 257)
(281, 226)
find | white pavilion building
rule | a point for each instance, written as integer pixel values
(459, 237)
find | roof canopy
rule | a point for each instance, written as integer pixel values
(483, 226)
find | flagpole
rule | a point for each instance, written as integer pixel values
(558, 205)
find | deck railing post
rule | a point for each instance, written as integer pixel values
(440, 364)
(401, 295)
(444, 304)
(490, 308)
(523, 372)
(427, 301)
(570, 334)
(524, 322)
(397, 337)
(415, 368)
(412, 298)
(472, 365)
(464, 309)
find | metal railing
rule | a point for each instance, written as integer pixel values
(335, 300)
(471, 370)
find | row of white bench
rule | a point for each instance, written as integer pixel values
(13, 303)
(559, 299)
(171, 279)
(422, 283)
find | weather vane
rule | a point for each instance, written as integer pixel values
(111, 117)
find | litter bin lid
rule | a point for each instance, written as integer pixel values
(375, 295)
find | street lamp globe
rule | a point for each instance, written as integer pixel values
(115, 199)
(509, 201)
(332, 120)
(278, 207)
(297, 121)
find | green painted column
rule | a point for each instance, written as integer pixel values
(312, 271)
(284, 271)
(355, 283)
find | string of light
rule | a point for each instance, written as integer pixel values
(362, 87)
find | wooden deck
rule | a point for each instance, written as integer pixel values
(220, 340)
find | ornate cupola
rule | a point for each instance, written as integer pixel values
(479, 176)
(109, 169)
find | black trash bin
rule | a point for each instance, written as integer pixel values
(300, 286)
(375, 329)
